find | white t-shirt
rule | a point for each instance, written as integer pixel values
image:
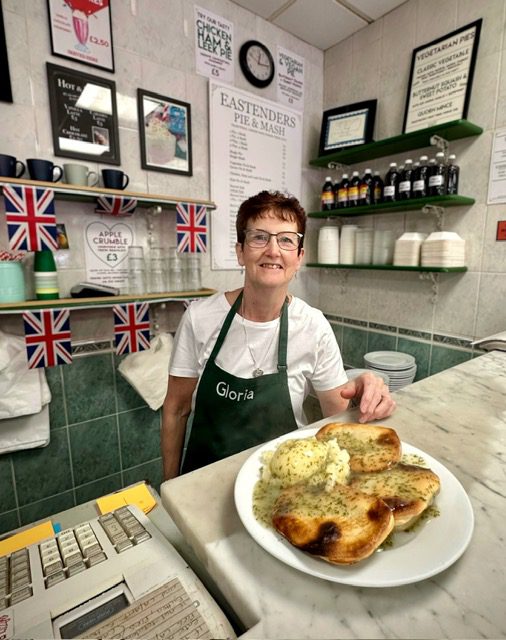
(313, 356)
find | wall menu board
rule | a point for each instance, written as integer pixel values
(83, 115)
(256, 144)
(441, 79)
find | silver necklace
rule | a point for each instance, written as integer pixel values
(257, 371)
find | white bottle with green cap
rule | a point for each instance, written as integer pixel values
(46, 277)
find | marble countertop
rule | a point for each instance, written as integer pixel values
(458, 417)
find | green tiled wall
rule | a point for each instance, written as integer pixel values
(103, 437)
(433, 352)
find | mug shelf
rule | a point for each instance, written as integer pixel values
(102, 301)
(73, 193)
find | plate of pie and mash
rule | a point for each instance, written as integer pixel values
(352, 504)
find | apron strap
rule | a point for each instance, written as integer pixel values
(225, 327)
(283, 337)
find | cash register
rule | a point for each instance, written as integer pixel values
(114, 576)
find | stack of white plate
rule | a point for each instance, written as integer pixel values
(407, 249)
(444, 249)
(354, 373)
(399, 367)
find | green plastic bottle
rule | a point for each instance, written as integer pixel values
(46, 276)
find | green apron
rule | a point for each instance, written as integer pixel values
(233, 414)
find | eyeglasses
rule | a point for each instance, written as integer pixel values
(287, 240)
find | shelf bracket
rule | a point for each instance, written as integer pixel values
(437, 211)
(440, 143)
(434, 279)
(338, 166)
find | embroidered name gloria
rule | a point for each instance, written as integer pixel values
(223, 390)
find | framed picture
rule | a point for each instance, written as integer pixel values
(347, 126)
(81, 30)
(165, 133)
(441, 79)
(5, 81)
(83, 115)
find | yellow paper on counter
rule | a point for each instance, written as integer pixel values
(24, 538)
(138, 495)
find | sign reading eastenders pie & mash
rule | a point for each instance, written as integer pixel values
(256, 145)
(441, 79)
(214, 45)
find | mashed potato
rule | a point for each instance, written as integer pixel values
(306, 460)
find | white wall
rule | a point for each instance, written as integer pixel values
(375, 63)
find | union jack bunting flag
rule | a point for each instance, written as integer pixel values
(47, 337)
(31, 223)
(131, 327)
(191, 228)
(119, 206)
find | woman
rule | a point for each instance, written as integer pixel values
(243, 361)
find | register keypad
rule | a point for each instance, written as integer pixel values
(15, 578)
(123, 529)
(71, 552)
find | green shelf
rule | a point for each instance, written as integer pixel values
(391, 207)
(387, 267)
(404, 142)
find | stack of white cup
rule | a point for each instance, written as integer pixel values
(383, 247)
(328, 245)
(363, 246)
(347, 244)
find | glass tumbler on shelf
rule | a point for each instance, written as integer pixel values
(136, 271)
(193, 276)
(156, 275)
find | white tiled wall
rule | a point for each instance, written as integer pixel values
(375, 63)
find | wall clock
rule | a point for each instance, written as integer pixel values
(256, 63)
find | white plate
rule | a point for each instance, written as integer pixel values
(433, 546)
(389, 360)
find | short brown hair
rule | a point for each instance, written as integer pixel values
(284, 207)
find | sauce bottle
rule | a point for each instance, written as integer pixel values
(420, 179)
(353, 190)
(437, 178)
(46, 277)
(406, 181)
(377, 188)
(365, 194)
(391, 186)
(342, 193)
(327, 199)
(452, 176)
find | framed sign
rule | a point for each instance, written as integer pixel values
(347, 126)
(441, 78)
(83, 115)
(165, 133)
(81, 30)
(5, 80)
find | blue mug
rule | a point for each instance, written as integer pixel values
(115, 179)
(9, 167)
(43, 170)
